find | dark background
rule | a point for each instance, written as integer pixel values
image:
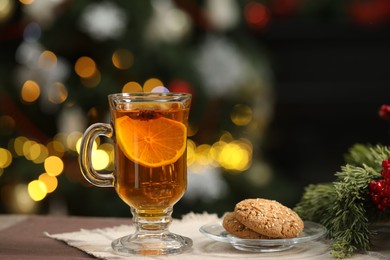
(330, 80)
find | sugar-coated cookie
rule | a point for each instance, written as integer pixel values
(234, 227)
(269, 218)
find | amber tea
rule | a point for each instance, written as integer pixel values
(151, 183)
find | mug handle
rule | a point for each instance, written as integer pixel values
(85, 159)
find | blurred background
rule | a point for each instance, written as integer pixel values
(281, 90)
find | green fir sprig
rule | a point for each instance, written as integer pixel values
(344, 206)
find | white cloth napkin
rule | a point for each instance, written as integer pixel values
(97, 242)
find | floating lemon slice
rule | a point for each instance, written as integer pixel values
(152, 143)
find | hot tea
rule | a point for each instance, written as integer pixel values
(151, 156)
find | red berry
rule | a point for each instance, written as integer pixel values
(384, 112)
(385, 163)
(372, 186)
(384, 174)
(386, 191)
(385, 202)
(375, 198)
(380, 184)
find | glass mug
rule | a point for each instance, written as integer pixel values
(149, 132)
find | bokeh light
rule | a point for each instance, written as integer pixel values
(47, 60)
(53, 165)
(94, 145)
(151, 83)
(27, 149)
(18, 145)
(85, 67)
(50, 182)
(241, 115)
(37, 190)
(56, 148)
(180, 86)
(257, 15)
(93, 80)
(233, 155)
(109, 149)
(57, 93)
(38, 153)
(131, 87)
(122, 59)
(72, 139)
(30, 91)
(100, 159)
(5, 158)
(6, 9)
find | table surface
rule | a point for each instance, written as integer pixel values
(22, 237)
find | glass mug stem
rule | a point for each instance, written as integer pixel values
(149, 133)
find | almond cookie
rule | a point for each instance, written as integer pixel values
(269, 218)
(234, 227)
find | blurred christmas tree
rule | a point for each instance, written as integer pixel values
(60, 59)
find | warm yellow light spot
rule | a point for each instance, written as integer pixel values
(57, 93)
(93, 80)
(27, 149)
(216, 150)
(192, 129)
(38, 153)
(18, 145)
(85, 67)
(71, 140)
(56, 148)
(30, 91)
(47, 60)
(50, 182)
(6, 9)
(230, 156)
(34, 151)
(122, 59)
(131, 87)
(26, 2)
(100, 159)
(37, 190)
(241, 115)
(94, 146)
(191, 147)
(203, 156)
(5, 158)
(235, 156)
(151, 83)
(226, 137)
(53, 165)
(109, 149)
(61, 137)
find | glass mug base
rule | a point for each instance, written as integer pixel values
(165, 243)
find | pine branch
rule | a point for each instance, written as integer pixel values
(315, 202)
(344, 206)
(372, 156)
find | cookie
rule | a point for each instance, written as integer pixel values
(234, 227)
(269, 218)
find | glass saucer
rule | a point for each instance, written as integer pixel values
(215, 231)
